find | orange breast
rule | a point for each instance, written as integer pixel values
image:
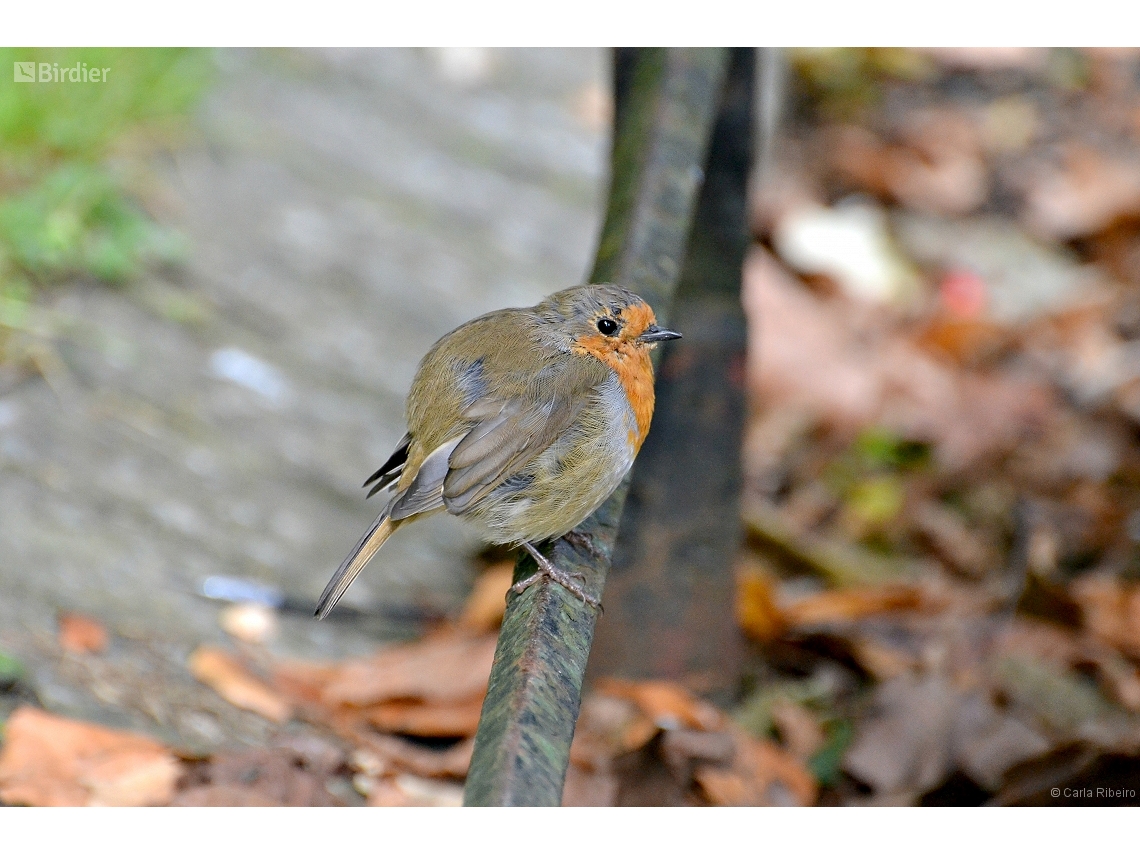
(633, 368)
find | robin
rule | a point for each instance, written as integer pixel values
(523, 421)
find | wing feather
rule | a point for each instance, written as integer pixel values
(392, 469)
(503, 426)
(502, 447)
(425, 493)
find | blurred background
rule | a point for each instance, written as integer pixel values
(219, 269)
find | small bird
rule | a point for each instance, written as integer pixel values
(522, 421)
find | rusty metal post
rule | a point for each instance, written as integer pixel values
(669, 600)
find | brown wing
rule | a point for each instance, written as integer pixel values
(505, 439)
(425, 493)
(494, 427)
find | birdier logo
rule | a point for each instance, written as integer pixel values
(51, 72)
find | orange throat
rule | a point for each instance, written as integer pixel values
(635, 372)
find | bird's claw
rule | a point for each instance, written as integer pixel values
(583, 542)
(547, 568)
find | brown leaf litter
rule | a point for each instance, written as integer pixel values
(655, 743)
(79, 633)
(56, 762)
(230, 679)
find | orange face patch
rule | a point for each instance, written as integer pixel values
(638, 318)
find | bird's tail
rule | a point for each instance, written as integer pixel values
(361, 554)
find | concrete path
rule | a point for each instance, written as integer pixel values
(345, 208)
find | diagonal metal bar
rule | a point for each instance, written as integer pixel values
(666, 102)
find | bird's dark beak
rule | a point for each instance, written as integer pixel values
(655, 333)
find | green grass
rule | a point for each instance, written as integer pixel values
(63, 212)
(77, 221)
(42, 124)
(11, 670)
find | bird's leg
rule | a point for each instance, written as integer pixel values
(583, 542)
(547, 568)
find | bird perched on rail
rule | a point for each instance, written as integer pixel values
(523, 421)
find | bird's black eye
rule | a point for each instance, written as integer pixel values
(607, 326)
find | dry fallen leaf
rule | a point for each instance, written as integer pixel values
(1051, 696)
(303, 682)
(922, 728)
(851, 604)
(447, 666)
(430, 688)
(1117, 248)
(1036, 639)
(56, 762)
(966, 341)
(226, 676)
(851, 246)
(936, 167)
(420, 718)
(756, 610)
(882, 659)
(79, 633)
(1084, 196)
(1009, 124)
(668, 705)
(760, 614)
(1110, 610)
(799, 728)
(859, 157)
(761, 774)
(904, 745)
(224, 795)
(682, 748)
(608, 726)
(988, 742)
(940, 169)
(483, 611)
(952, 537)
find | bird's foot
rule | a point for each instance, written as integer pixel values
(582, 542)
(547, 568)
